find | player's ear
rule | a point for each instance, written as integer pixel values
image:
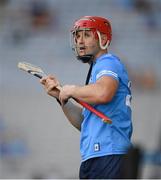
(104, 39)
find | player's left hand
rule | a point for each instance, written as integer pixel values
(66, 92)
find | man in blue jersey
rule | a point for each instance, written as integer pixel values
(107, 89)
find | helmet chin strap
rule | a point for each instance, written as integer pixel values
(86, 58)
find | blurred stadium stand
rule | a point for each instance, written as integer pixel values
(48, 147)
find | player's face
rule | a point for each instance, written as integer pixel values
(86, 43)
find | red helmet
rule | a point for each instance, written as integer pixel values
(94, 22)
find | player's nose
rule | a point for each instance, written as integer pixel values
(81, 39)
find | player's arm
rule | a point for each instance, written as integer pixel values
(71, 110)
(99, 93)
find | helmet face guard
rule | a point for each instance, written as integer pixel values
(96, 24)
(75, 47)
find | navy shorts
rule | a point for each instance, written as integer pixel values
(105, 167)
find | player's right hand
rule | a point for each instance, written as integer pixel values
(50, 83)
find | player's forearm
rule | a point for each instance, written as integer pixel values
(92, 94)
(73, 113)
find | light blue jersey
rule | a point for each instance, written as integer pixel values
(97, 137)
